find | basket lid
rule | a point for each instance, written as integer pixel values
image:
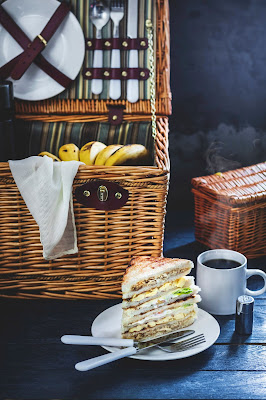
(236, 187)
(78, 99)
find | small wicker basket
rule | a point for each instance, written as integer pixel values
(230, 210)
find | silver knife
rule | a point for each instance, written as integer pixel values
(132, 32)
(131, 347)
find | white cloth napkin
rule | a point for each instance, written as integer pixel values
(46, 187)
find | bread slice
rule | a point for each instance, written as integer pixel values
(149, 272)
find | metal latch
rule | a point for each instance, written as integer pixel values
(102, 193)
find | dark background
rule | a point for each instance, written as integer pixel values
(218, 83)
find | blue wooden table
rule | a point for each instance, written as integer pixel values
(35, 365)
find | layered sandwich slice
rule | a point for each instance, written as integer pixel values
(158, 297)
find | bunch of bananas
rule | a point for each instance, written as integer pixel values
(97, 153)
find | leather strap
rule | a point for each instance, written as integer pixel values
(115, 115)
(121, 74)
(40, 42)
(117, 43)
(15, 31)
(13, 28)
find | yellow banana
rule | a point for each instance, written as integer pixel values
(131, 154)
(106, 153)
(46, 153)
(69, 152)
(89, 152)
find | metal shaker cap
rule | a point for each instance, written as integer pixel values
(244, 315)
(244, 305)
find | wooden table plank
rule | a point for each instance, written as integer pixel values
(103, 383)
(39, 356)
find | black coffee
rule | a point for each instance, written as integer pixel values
(221, 263)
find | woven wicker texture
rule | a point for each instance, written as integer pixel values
(107, 240)
(85, 105)
(230, 210)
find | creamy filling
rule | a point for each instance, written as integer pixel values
(164, 299)
(162, 314)
(166, 318)
(130, 317)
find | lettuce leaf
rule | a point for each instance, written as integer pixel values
(181, 291)
(187, 305)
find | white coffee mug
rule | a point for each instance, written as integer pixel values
(220, 288)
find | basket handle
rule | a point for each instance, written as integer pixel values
(101, 195)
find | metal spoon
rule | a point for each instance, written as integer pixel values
(99, 16)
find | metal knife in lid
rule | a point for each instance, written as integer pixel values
(132, 32)
(131, 349)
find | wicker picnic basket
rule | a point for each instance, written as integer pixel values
(230, 210)
(107, 240)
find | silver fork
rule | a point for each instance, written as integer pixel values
(182, 345)
(116, 14)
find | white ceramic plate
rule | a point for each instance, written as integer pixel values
(65, 50)
(108, 323)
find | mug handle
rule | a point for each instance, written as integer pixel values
(251, 272)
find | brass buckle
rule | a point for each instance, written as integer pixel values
(42, 40)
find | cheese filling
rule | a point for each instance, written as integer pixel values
(185, 281)
(159, 301)
(164, 320)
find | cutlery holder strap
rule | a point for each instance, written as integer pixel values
(15, 31)
(121, 74)
(40, 42)
(117, 43)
